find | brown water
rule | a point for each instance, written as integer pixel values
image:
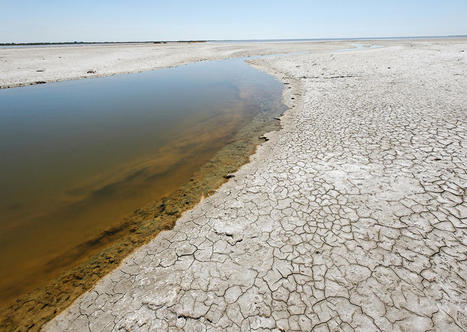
(76, 157)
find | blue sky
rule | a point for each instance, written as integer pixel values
(118, 20)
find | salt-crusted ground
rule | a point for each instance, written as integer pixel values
(35, 65)
(353, 217)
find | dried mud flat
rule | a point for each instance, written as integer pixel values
(68, 276)
(352, 217)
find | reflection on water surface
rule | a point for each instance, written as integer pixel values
(78, 156)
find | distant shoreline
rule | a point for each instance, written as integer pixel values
(228, 40)
(102, 43)
(336, 39)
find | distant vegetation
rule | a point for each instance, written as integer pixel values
(92, 43)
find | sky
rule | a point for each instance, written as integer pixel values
(141, 20)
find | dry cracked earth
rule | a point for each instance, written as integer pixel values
(353, 217)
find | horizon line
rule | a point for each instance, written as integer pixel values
(229, 40)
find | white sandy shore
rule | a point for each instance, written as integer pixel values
(353, 217)
(24, 66)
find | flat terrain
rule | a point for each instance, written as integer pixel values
(35, 65)
(352, 217)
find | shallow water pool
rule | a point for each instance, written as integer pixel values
(78, 156)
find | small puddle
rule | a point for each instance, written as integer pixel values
(78, 156)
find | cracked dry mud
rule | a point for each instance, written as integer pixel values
(353, 217)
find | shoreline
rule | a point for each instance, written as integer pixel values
(80, 43)
(267, 237)
(24, 67)
(293, 95)
(109, 253)
(21, 67)
(232, 40)
(81, 267)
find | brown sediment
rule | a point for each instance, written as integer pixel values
(81, 267)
